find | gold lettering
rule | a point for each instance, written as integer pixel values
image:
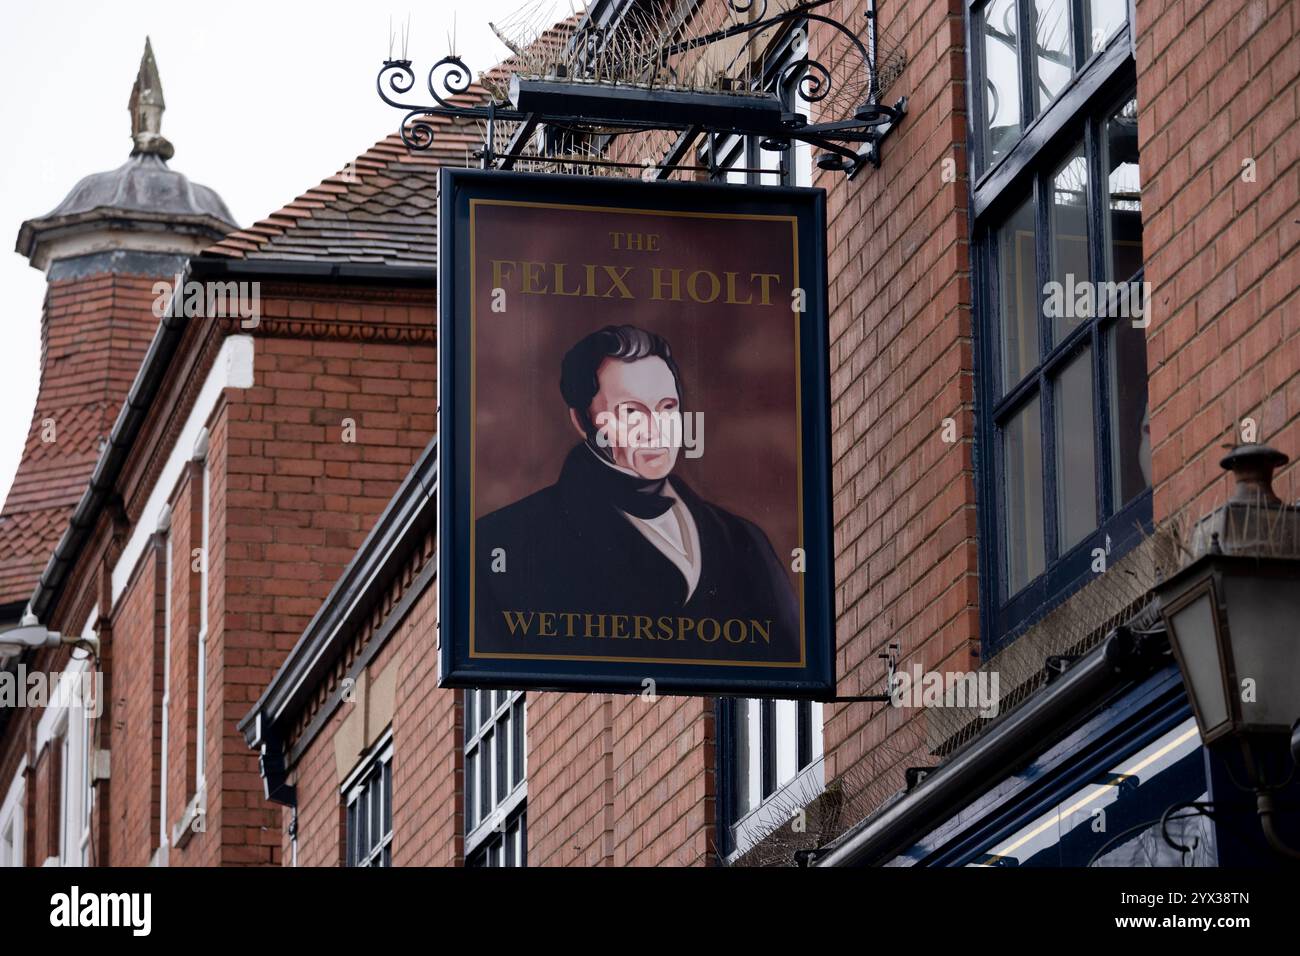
(642, 628)
(569, 618)
(731, 291)
(600, 618)
(657, 283)
(726, 631)
(620, 625)
(559, 281)
(715, 286)
(763, 629)
(499, 272)
(515, 620)
(616, 277)
(546, 624)
(764, 286)
(530, 279)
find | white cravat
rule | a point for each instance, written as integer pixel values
(673, 533)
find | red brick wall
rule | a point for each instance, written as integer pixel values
(901, 362)
(135, 730)
(292, 502)
(427, 782)
(1217, 88)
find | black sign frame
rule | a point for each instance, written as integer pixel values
(814, 678)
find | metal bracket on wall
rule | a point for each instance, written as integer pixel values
(623, 72)
(890, 657)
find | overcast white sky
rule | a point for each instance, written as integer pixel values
(264, 99)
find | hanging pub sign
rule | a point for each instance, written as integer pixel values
(633, 436)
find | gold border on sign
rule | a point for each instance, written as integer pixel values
(473, 443)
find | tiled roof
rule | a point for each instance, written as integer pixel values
(383, 209)
(48, 484)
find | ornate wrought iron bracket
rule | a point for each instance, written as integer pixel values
(570, 89)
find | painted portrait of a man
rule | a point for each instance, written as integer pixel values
(619, 546)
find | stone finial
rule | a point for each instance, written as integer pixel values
(147, 107)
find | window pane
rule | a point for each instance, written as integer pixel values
(1123, 193)
(1130, 428)
(817, 745)
(352, 835)
(376, 811)
(1069, 234)
(749, 748)
(787, 741)
(1001, 79)
(503, 751)
(1053, 57)
(388, 799)
(1104, 18)
(485, 775)
(1076, 474)
(1023, 464)
(1019, 295)
(471, 714)
(517, 743)
(471, 788)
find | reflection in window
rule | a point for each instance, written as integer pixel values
(1104, 18)
(1109, 822)
(1130, 427)
(1076, 471)
(1019, 296)
(1069, 219)
(1023, 464)
(1053, 57)
(1123, 192)
(1001, 78)
(775, 740)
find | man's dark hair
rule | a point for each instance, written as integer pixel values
(627, 343)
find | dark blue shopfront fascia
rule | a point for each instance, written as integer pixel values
(1097, 796)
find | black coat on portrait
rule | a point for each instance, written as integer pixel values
(570, 548)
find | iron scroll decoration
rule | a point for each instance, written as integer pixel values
(572, 97)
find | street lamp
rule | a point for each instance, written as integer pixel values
(30, 633)
(1233, 618)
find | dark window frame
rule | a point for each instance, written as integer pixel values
(1100, 83)
(721, 152)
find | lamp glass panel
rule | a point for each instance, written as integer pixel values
(1193, 632)
(1264, 633)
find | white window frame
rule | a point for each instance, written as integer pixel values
(192, 820)
(380, 755)
(13, 811)
(201, 702)
(164, 528)
(502, 814)
(66, 727)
